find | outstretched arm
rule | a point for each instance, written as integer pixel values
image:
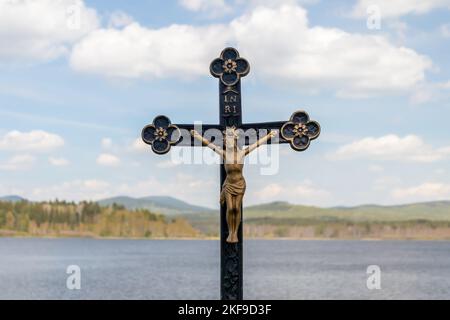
(258, 143)
(207, 143)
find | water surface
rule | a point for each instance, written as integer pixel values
(172, 269)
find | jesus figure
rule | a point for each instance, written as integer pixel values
(233, 188)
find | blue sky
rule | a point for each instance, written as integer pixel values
(79, 79)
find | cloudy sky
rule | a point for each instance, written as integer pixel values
(79, 79)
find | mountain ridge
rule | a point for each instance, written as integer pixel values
(162, 204)
(12, 198)
(430, 210)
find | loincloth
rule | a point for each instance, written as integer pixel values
(234, 189)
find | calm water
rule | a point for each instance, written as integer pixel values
(141, 269)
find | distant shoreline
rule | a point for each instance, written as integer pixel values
(277, 221)
(11, 236)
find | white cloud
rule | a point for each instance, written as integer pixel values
(392, 147)
(275, 3)
(425, 192)
(285, 50)
(58, 162)
(109, 160)
(396, 8)
(139, 146)
(220, 7)
(177, 50)
(119, 19)
(18, 162)
(34, 31)
(212, 7)
(36, 140)
(271, 190)
(304, 192)
(355, 64)
(400, 28)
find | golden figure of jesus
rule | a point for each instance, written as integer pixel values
(233, 188)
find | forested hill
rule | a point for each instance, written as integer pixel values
(274, 220)
(161, 204)
(87, 219)
(431, 211)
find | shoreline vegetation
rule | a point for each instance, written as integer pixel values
(61, 219)
(87, 219)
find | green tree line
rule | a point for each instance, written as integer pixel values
(61, 218)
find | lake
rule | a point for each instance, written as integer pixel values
(189, 269)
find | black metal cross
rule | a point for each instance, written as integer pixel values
(298, 131)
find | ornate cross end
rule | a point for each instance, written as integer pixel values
(161, 134)
(229, 67)
(299, 131)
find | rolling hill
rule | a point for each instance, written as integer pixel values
(431, 211)
(290, 215)
(160, 204)
(428, 220)
(12, 198)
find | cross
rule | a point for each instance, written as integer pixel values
(298, 131)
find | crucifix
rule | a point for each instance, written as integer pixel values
(232, 140)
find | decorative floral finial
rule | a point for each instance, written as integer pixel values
(229, 67)
(299, 131)
(161, 135)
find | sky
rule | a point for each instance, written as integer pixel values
(80, 79)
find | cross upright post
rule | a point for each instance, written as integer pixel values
(298, 131)
(229, 68)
